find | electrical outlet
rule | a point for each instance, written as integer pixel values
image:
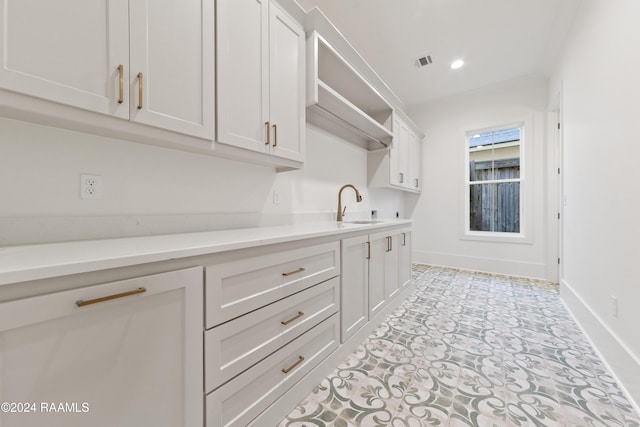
(90, 186)
(614, 306)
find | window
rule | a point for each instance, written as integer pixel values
(494, 181)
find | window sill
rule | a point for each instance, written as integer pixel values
(486, 236)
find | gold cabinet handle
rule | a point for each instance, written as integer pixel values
(299, 361)
(297, 316)
(401, 178)
(368, 250)
(267, 125)
(300, 270)
(140, 91)
(404, 239)
(120, 84)
(388, 244)
(82, 303)
(275, 135)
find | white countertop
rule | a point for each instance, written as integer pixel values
(33, 262)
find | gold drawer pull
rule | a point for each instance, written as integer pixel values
(300, 270)
(287, 370)
(140, 91)
(275, 135)
(266, 125)
(81, 303)
(368, 250)
(297, 316)
(120, 84)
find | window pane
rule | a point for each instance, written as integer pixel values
(481, 157)
(507, 207)
(495, 207)
(494, 155)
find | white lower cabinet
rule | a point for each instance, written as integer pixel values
(126, 353)
(383, 270)
(229, 344)
(375, 268)
(237, 345)
(249, 281)
(355, 285)
(404, 247)
(272, 315)
(241, 400)
(379, 244)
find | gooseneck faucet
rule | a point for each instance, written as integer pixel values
(358, 199)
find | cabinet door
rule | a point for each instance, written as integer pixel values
(394, 155)
(130, 361)
(391, 267)
(242, 73)
(377, 275)
(172, 65)
(399, 155)
(405, 258)
(355, 285)
(287, 80)
(415, 159)
(67, 51)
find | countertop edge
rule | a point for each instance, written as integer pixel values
(31, 270)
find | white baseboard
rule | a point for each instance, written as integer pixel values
(489, 265)
(617, 357)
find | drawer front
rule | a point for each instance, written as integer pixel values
(246, 396)
(243, 285)
(237, 345)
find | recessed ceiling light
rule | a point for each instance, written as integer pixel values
(457, 64)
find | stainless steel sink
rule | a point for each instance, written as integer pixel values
(370, 221)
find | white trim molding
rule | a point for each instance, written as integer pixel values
(482, 264)
(623, 364)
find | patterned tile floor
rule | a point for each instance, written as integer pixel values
(471, 349)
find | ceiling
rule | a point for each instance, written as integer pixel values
(498, 40)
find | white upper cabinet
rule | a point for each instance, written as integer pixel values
(171, 73)
(150, 62)
(287, 80)
(415, 163)
(243, 102)
(400, 167)
(260, 75)
(67, 51)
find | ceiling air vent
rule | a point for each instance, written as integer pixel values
(424, 60)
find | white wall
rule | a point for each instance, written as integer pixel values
(331, 163)
(439, 213)
(599, 75)
(153, 190)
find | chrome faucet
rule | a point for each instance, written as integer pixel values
(358, 199)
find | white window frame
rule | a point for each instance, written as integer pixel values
(526, 191)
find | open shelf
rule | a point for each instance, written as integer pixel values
(338, 92)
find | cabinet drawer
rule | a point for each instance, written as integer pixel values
(237, 345)
(237, 287)
(246, 396)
